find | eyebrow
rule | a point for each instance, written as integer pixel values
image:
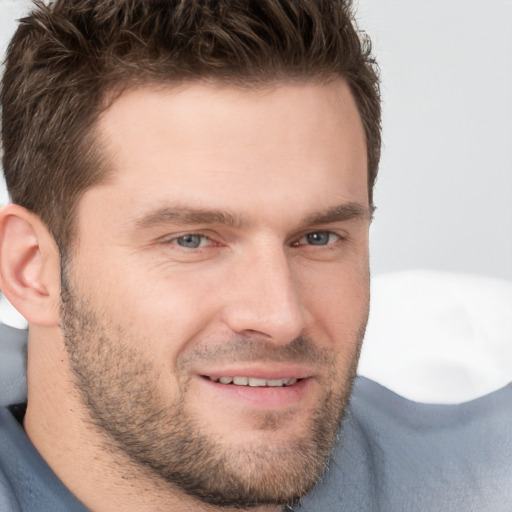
(179, 215)
(188, 216)
(340, 213)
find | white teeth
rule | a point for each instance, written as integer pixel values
(275, 383)
(257, 382)
(254, 382)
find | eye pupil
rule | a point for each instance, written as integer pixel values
(318, 238)
(189, 241)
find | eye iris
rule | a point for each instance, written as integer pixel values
(318, 238)
(189, 241)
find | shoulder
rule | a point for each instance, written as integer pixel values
(27, 483)
(8, 462)
(397, 455)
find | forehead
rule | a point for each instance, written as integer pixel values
(210, 145)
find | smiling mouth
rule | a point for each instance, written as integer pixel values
(254, 382)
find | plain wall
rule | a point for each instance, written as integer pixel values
(444, 194)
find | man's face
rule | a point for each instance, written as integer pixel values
(215, 301)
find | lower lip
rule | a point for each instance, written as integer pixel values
(261, 397)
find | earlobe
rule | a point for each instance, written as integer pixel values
(29, 265)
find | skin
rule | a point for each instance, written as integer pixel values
(231, 239)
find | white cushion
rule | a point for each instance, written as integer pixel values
(10, 316)
(439, 337)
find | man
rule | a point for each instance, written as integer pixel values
(188, 240)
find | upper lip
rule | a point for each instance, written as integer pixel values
(260, 372)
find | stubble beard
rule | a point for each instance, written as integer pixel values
(117, 384)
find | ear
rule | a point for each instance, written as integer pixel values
(29, 266)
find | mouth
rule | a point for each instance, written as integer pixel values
(275, 393)
(263, 386)
(254, 382)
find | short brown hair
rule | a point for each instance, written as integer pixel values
(66, 59)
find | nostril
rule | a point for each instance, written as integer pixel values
(253, 333)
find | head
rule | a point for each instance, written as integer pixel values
(204, 173)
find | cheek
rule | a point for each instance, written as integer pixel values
(172, 313)
(338, 303)
(129, 314)
(141, 289)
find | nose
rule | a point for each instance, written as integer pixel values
(264, 299)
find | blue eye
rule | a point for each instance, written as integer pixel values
(190, 241)
(318, 238)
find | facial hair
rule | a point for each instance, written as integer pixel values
(117, 384)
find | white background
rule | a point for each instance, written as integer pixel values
(444, 194)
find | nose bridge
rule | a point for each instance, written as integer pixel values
(266, 298)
